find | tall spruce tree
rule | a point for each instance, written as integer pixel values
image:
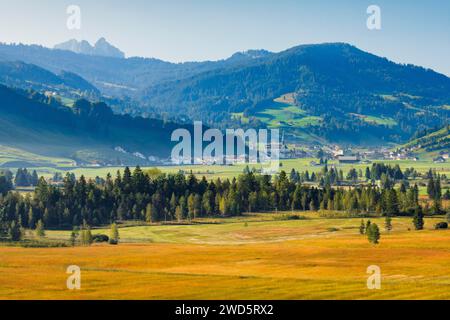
(373, 234)
(14, 231)
(418, 220)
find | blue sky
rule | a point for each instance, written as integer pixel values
(413, 31)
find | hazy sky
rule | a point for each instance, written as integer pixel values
(413, 31)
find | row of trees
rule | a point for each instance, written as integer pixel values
(388, 175)
(434, 190)
(373, 231)
(175, 197)
(15, 231)
(24, 178)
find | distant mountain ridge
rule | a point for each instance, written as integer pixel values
(358, 96)
(116, 77)
(250, 54)
(101, 48)
(338, 92)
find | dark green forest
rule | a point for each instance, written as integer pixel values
(176, 197)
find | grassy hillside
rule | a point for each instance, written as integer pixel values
(85, 132)
(282, 113)
(436, 140)
(431, 144)
(28, 76)
(14, 158)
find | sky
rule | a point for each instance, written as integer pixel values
(412, 31)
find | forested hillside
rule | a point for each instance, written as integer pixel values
(116, 76)
(41, 124)
(354, 92)
(337, 92)
(27, 76)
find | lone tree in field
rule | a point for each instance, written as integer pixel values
(418, 219)
(74, 236)
(388, 223)
(114, 237)
(373, 234)
(40, 231)
(362, 227)
(86, 235)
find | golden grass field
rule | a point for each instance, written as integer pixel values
(256, 257)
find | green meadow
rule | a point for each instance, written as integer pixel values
(217, 171)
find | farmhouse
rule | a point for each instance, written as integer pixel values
(348, 159)
(439, 159)
(338, 153)
(444, 155)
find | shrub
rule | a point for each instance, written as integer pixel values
(441, 225)
(113, 242)
(40, 231)
(284, 217)
(86, 235)
(98, 238)
(43, 244)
